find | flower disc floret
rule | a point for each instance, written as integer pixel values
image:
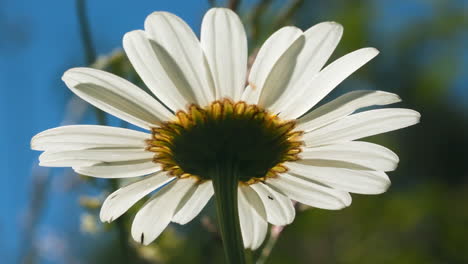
(254, 141)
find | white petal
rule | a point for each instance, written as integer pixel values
(122, 169)
(121, 200)
(250, 95)
(279, 208)
(78, 137)
(310, 193)
(280, 74)
(362, 125)
(68, 163)
(332, 75)
(193, 203)
(158, 70)
(252, 217)
(343, 106)
(116, 96)
(63, 158)
(180, 43)
(368, 155)
(224, 42)
(320, 42)
(266, 59)
(157, 213)
(355, 181)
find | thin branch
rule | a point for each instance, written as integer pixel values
(87, 41)
(256, 18)
(286, 16)
(234, 5)
(88, 46)
(90, 56)
(275, 232)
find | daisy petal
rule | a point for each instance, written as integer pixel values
(332, 75)
(193, 203)
(63, 158)
(116, 96)
(279, 208)
(368, 155)
(224, 42)
(250, 95)
(157, 213)
(343, 106)
(79, 137)
(173, 35)
(158, 70)
(252, 217)
(362, 125)
(320, 42)
(68, 163)
(122, 169)
(267, 57)
(310, 193)
(121, 200)
(280, 74)
(355, 181)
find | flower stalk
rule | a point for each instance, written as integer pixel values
(225, 182)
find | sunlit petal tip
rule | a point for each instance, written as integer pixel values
(332, 25)
(129, 36)
(178, 44)
(156, 214)
(417, 115)
(158, 14)
(118, 202)
(348, 200)
(213, 10)
(191, 205)
(69, 76)
(371, 51)
(385, 186)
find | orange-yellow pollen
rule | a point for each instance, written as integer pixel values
(197, 140)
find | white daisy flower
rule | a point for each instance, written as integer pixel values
(264, 134)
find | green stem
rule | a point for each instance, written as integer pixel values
(121, 229)
(225, 181)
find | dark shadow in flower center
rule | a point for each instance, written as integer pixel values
(245, 142)
(225, 134)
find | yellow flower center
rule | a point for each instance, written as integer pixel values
(254, 142)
